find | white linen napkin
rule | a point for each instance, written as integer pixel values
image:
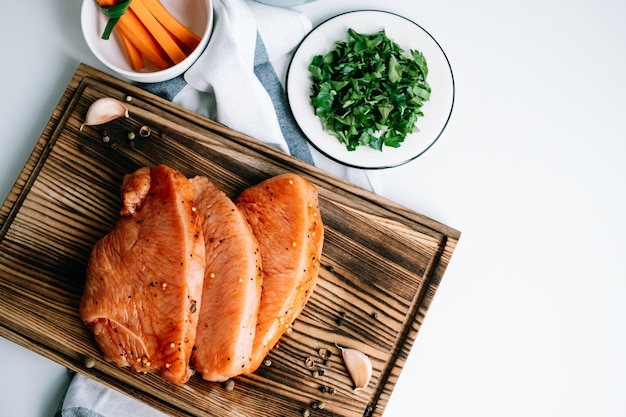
(222, 84)
(86, 397)
(239, 82)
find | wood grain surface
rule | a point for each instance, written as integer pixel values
(381, 263)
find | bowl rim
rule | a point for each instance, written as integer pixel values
(89, 6)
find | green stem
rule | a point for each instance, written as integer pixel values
(113, 13)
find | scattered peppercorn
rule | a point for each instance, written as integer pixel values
(341, 318)
(144, 131)
(318, 405)
(229, 385)
(324, 353)
(309, 362)
(306, 412)
(90, 362)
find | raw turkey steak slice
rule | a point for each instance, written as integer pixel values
(283, 212)
(232, 286)
(144, 279)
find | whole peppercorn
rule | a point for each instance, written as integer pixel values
(309, 362)
(318, 405)
(144, 131)
(90, 362)
(229, 385)
(341, 319)
(324, 353)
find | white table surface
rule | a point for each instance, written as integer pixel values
(530, 317)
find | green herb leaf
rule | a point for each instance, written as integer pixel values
(367, 92)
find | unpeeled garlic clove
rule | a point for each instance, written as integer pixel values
(104, 110)
(359, 367)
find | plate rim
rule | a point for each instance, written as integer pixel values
(364, 166)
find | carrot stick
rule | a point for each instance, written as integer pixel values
(107, 3)
(181, 32)
(159, 33)
(132, 53)
(131, 27)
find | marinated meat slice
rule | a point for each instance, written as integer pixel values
(284, 215)
(144, 279)
(134, 188)
(232, 286)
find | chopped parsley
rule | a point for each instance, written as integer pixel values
(367, 92)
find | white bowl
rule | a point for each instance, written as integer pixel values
(195, 14)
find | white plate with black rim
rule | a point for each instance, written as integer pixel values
(408, 35)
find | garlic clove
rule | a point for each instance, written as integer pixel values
(104, 110)
(359, 367)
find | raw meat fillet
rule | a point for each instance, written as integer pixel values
(144, 279)
(232, 286)
(284, 215)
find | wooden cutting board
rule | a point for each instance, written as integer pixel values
(381, 262)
